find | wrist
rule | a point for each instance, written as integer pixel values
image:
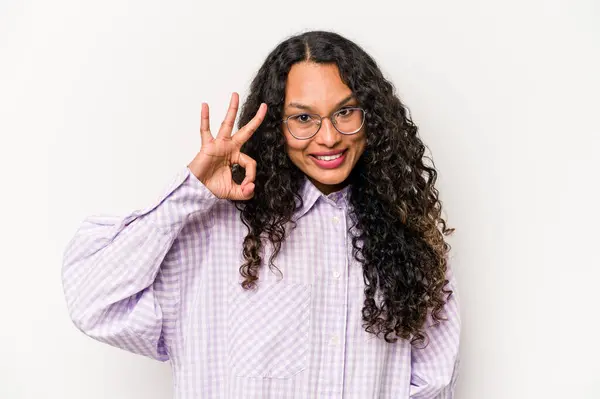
(197, 171)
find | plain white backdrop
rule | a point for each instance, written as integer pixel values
(100, 104)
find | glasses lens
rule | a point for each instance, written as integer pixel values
(346, 120)
(349, 120)
(303, 125)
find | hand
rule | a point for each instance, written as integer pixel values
(212, 165)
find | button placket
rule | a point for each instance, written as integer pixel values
(336, 335)
(337, 221)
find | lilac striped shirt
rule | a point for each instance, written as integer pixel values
(163, 282)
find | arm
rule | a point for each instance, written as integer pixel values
(112, 278)
(435, 367)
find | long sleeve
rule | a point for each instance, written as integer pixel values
(115, 288)
(435, 368)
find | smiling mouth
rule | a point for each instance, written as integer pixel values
(328, 157)
(329, 161)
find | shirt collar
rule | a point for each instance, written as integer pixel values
(311, 194)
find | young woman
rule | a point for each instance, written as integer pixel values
(301, 257)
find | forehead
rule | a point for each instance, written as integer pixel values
(318, 85)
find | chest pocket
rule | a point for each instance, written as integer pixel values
(268, 329)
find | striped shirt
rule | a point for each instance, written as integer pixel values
(164, 282)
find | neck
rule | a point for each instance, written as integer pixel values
(328, 188)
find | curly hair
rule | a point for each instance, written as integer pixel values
(397, 231)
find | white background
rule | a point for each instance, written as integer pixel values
(99, 107)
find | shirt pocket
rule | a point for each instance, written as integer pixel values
(268, 329)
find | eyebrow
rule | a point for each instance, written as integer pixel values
(309, 108)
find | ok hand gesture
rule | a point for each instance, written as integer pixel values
(212, 165)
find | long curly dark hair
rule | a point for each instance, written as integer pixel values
(398, 229)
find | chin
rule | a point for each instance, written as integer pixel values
(330, 178)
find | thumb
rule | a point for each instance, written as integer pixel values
(243, 192)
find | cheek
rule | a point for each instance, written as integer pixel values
(358, 142)
(295, 148)
(362, 144)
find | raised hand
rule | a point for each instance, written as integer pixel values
(212, 165)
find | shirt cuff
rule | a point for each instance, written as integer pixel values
(183, 197)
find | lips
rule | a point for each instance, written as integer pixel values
(331, 163)
(327, 153)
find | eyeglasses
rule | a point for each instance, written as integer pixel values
(348, 120)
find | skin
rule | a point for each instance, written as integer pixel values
(320, 88)
(314, 88)
(212, 164)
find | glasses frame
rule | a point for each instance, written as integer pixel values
(320, 122)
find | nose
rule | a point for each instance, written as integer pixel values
(327, 135)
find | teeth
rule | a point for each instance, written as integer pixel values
(329, 157)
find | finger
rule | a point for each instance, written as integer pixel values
(249, 165)
(248, 190)
(243, 192)
(227, 125)
(205, 134)
(245, 132)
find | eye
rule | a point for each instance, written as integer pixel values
(302, 118)
(344, 112)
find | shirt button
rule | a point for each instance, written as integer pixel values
(336, 274)
(334, 340)
(336, 219)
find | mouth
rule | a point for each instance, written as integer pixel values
(330, 161)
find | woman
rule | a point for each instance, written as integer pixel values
(301, 257)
